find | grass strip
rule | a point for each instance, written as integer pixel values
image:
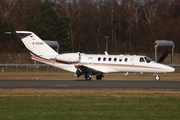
(63, 75)
(89, 104)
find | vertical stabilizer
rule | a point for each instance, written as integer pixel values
(35, 45)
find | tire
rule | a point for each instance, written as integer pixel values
(99, 77)
(157, 78)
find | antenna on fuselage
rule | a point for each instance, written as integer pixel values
(105, 52)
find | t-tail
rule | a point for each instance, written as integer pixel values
(37, 47)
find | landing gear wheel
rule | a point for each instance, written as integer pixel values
(88, 77)
(157, 78)
(99, 77)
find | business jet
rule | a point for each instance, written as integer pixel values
(90, 64)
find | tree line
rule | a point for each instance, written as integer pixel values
(130, 26)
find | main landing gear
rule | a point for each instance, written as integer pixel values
(88, 77)
(98, 77)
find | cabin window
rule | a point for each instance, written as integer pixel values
(115, 59)
(120, 59)
(104, 59)
(109, 59)
(141, 59)
(125, 59)
(99, 59)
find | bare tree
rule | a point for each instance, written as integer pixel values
(150, 21)
(150, 11)
(12, 10)
(109, 15)
(6, 8)
(132, 18)
(71, 11)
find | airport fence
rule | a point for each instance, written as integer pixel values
(27, 68)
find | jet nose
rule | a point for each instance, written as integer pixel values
(171, 69)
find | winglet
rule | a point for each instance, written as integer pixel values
(8, 32)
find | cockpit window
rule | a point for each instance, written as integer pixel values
(148, 60)
(141, 59)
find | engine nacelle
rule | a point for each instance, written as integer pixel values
(69, 57)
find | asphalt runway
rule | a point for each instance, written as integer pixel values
(77, 84)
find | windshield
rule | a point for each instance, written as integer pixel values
(148, 60)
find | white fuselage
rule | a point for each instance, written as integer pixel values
(114, 63)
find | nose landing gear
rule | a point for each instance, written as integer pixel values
(157, 78)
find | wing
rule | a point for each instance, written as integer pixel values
(83, 69)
